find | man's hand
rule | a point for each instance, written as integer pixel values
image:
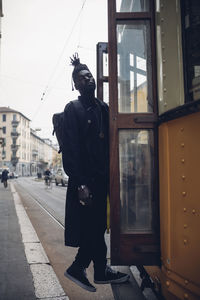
(84, 195)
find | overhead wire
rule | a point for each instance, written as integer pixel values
(61, 54)
(59, 58)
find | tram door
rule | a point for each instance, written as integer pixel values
(133, 132)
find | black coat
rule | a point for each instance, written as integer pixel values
(86, 161)
(4, 175)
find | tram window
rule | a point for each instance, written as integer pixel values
(191, 20)
(134, 67)
(132, 5)
(136, 180)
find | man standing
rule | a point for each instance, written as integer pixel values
(86, 161)
(4, 177)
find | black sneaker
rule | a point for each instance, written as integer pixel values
(78, 275)
(111, 276)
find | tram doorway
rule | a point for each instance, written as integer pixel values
(134, 200)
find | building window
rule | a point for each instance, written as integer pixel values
(4, 117)
(191, 46)
(14, 118)
(4, 130)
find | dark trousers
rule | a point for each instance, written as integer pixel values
(93, 226)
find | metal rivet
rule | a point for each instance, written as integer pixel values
(163, 47)
(193, 211)
(183, 177)
(186, 281)
(185, 241)
(185, 225)
(162, 19)
(164, 75)
(184, 193)
(168, 261)
(89, 121)
(185, 296)
(162, 33)
(182, 129)
(164, 60)
(183, 160)
(167, 283)
(164, 89)
(168, 272)
(184, 209)
(165, 104)
(182, 145)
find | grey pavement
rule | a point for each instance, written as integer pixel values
(16, 280)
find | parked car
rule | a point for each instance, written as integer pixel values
(61, 177)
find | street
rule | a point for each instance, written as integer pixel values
(52, 199)
(46, 209)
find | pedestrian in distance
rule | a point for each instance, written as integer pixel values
(4, 177)
(47, 177)
(86, 161)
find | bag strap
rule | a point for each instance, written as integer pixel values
(81, 114)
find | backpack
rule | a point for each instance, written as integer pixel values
(58, 119)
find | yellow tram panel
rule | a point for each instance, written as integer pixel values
(179, 171)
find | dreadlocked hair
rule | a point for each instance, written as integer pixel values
(75, 61)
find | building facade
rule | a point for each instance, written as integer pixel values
(22, 150)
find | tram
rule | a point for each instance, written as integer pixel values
(153, 82)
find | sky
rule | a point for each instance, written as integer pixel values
(38, 39)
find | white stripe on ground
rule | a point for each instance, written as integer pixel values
(45, 280)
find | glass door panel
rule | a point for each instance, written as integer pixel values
(136, 180)
(133, 133)
(134, 68)
(132, 5)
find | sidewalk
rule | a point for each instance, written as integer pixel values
(26, 273)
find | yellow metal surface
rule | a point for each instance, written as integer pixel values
(179, 168)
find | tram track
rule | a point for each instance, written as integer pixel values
(48, 212)
(43, 204)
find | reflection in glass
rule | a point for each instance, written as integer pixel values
(105, 64)
(136, 179)
(106, 92)
(134, 67)
(132, 5)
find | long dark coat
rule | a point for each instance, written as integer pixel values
(84, 163)
(4, 175)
